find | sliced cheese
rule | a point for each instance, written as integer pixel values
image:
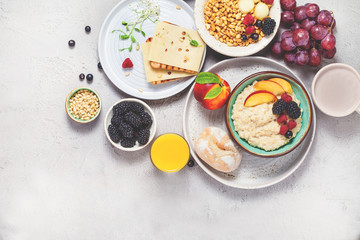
(153, 74)
(171, 46)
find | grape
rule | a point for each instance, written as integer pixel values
(289, 57)
(300, 37)
(288, 4)
(287, 44)
(302, 58)
(300, 13)
(309, 45)
(286, 34)
(324, 18)
(276, 49)
(307, 24)
(318, 32)
(312, 10)
(287, 18)
(328, 41)
(295, 26)
(315, 57)
(329, 54)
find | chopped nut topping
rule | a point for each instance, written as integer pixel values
(178, 7)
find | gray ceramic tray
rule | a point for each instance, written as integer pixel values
(254, 172)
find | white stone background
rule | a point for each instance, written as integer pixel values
(61, 180)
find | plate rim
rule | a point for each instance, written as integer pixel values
(120, 84)
(274, 180)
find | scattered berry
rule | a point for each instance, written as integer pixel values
(249, 30)
(268, 1)
(279, 107)
(282, 119)
(99, 66)
(127, 63)
(121, 108)
(89, 77)
(126, 130)
(258, 23)
(248, 19)
(87, 29)
(268, 26)
(143, 136)
(288, 134)
(244, 37)
(114, 133)
(254, 36)
(287, 98)
(293, 110)
(136, 107)
(82, 76)
(128, 142)
(133, 119)
(291, 124)
(190, 163)
(283, 129)
(145, 119)
(71, 43)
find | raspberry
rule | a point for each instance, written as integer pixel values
(249, 30)
(282, 118)
(286, 98)
(248, 19)
(291, 124)
(283, 129)
(127, 63)
(268, 1)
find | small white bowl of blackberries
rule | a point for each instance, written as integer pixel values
(130, 124)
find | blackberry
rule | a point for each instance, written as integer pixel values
(126, 130)
(293, 110)
(268, 26)
(143, 136)
(128, 142)
(279, 107)
(133, 119)
(116, 120)
(136, 107)
(114, 133)
(146, 119)
(121, 108)
(288, 134)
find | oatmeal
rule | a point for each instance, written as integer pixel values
(258, 125)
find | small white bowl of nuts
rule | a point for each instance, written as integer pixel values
(83, 105)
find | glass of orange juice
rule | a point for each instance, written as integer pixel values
(170, 152)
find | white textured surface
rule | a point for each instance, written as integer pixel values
(60, 180)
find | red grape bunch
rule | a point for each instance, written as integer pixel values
(309, 36)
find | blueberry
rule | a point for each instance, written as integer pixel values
(71, 43)
(190, 163)
(99, 66)
(244, 38)
(288, 134)
(254, 36)
(82, 76)
(87, 29)
(89, 77)
(258, 23)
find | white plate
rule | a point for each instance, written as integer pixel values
(275, 13)
(254, 172)
(111, 58)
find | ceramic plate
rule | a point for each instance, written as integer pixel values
(275, 13)
(111, 58)
(253, 172)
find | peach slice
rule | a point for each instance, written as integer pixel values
(270, 86)
(284, 84)
(259, 97)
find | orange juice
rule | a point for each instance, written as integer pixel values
(170, 152)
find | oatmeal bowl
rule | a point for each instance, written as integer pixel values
(269, 114)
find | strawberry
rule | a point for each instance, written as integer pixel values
(282, 118)
(268, 1)
(127, 63)
(286, 98)
(249, 30)
(283, 129)
(291, 124)
(248, 19)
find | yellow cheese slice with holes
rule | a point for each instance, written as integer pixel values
(171, 46)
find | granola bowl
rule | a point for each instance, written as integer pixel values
(302, 96)
(224, 47)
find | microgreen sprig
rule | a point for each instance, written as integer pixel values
(194, 42)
